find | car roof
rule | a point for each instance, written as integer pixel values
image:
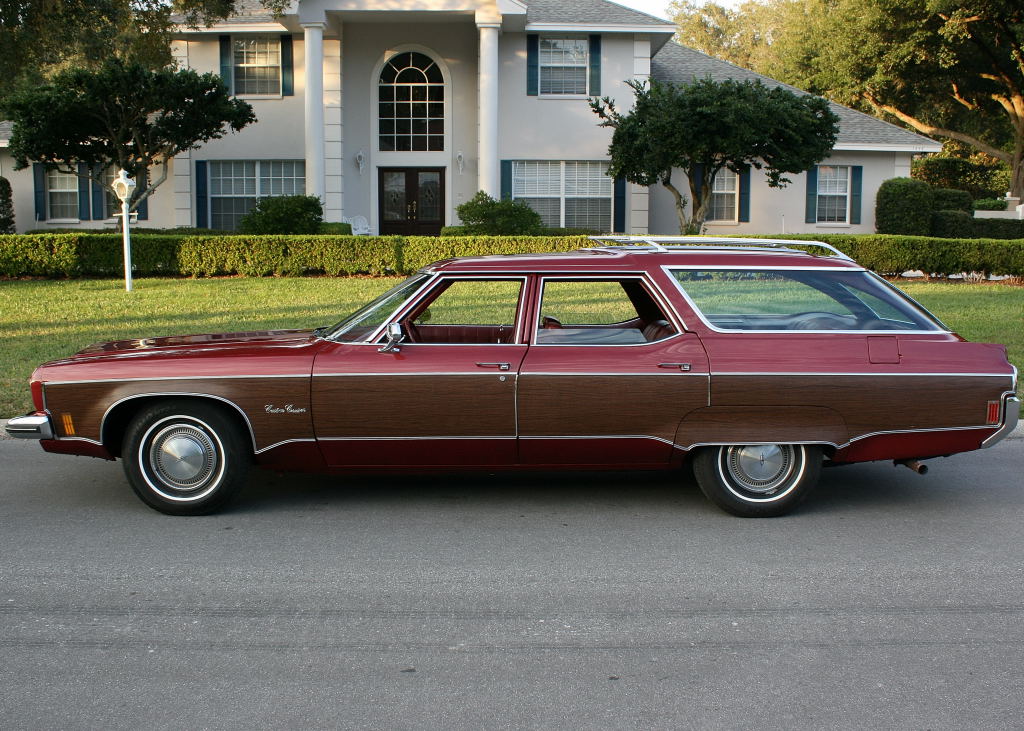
(623, 254)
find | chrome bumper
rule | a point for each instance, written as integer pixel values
(1011, 414)
(33, 426)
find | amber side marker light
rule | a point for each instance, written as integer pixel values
(993, 412)
(69, 425)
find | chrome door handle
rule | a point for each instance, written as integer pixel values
(680, 366)
(499, 366)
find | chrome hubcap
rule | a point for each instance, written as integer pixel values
(183, 457)
(760, 468)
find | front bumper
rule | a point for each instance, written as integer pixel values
(1011, 415)
(32, 426)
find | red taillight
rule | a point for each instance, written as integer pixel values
(37, 394)
(993, 412)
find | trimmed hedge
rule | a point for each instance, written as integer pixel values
(78, 255)
(950, 199)
(904, 206)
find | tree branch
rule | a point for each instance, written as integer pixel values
(929, 129)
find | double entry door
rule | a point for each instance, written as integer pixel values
(411, 201)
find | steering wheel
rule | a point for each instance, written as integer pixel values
(550, 323)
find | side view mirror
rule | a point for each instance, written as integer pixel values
(395, 337)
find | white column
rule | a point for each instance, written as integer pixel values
(314, 57)
(487, 112)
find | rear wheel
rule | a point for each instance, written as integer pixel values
(757, 480)
(185, 458)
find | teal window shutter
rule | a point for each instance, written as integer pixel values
(202, 198)
(532, 64)
(744, 180)
(39, 182)
(143, 209)
(811, 209)
(287, 67)
(98, 198)
(856, 183)
(83, 192)
(619, 206)
(595, 65)
(226, 65)
(506, 179)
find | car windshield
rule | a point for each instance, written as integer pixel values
(775, 299)
(361, 323)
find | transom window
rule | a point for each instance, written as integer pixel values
(833, 193)
(563, 65)
(410, 108)
(61, 194)
(257, 65)
(236, 185)
(724, 191)
(566, 194)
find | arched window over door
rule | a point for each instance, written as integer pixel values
(411, 104)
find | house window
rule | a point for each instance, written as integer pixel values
(833, 193)
(725, 190)
(61, 195)
(257, 65)
(236, 185)
(566, 194)
(410, 111)
(563, 65)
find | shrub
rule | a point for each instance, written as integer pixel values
(952, 225)
(990, 204)
(904, 206)
(284, 214)
(484, 215)
(977, 178)
(950, 199)
(6, 207)
(335, 228)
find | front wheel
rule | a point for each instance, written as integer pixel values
(184, 458)
(757, 480)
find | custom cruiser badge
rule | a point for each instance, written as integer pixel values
(286, 409)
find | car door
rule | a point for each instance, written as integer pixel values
(445, 396)
(609, 375)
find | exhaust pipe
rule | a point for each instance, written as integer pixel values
(912, 464)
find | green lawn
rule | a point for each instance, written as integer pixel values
(41, 320)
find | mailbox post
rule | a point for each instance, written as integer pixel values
(123, 187)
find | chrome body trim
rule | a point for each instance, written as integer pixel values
(859, 373)
(671, 244)
(284, 441)
(31, 426)
(171, 378)
(1011, 415)
(239, 409)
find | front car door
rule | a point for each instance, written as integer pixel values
(444, 397)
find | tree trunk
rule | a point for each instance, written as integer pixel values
(684, 222)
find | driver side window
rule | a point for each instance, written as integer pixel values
(467, 311)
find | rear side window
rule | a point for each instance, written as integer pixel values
(814, 300)
(599, 312)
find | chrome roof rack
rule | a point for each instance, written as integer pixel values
(677, 243)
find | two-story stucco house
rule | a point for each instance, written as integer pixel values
(398, 112)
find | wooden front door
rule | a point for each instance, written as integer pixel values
(411, 201)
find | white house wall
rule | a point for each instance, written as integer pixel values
(782, 210)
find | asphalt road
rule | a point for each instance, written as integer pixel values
(889, 600)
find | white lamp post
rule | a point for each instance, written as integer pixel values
(123, 187)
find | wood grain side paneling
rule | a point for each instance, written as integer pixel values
(86, 403)
(415, 406)
(748, 424)
(581, 405)
(869, 404)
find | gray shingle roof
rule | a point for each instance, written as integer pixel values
(587, 12)
(246, 11)
(679, 64)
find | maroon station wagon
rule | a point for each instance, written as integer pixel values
(755, 363)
